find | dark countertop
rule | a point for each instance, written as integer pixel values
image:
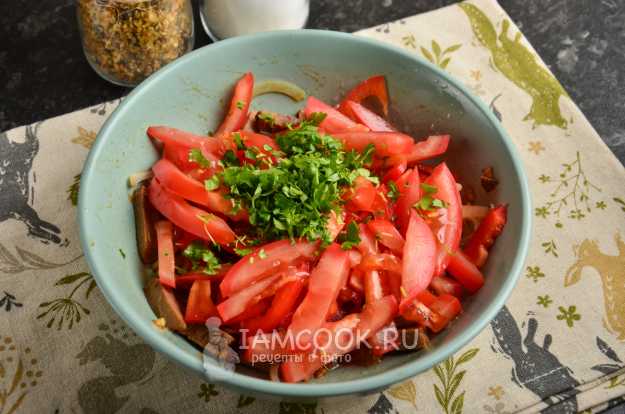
(43, 72)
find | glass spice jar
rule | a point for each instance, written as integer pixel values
(125, 41)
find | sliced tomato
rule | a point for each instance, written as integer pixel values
(253, 311)
(166, 255)
(403, 180)
(373, 286)
(325, 282)
(408, 197)
(339, 338)
(186, 187)
(374, 86)
(431, 147)
(180, 157)
(186, 281)
(178, 138)
(382, 207)
(396, 170)
(385, 143)
(243, 299)
(239, 105)
(361, 195)
(336, 338)
(196, 221)
(265, 261)
(484, 237)
(418, 260)
(258, 141)
(465, 272)
(381, 261)
(443, 284)
(282, 304)
(368, 118)
(448, 226)
(334, 120)
(419, 312)
(448, 306)
(367, 244)
(200, 304)
(386, 233)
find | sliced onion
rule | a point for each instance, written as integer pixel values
(273, 373)
(279, 86)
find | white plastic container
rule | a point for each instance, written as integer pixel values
(229, 18)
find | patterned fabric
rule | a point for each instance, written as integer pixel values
(557, 346)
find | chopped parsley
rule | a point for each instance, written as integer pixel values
(195, 155)
(212, 183)
(393, 191)
(122, 253)
(351, 238)
(262, 254)
(294, 197)
(264, 116)
(427, 202)
(202, 258)
(240, 104)
(243, 251)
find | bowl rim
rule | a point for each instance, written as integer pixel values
(368, 384)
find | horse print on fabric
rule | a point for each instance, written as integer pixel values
(16, 162)
(535, 368)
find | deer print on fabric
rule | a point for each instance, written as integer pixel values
(611, 269)
(16, 161)
(126, 364)
(535, 368)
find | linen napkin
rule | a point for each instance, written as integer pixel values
(557, 346)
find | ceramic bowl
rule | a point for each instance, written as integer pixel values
(191, 93)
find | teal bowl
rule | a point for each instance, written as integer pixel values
(191, 93)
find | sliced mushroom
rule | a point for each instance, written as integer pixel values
(412, 339)
(199, 335)
(164, 304)
(272, 122)
(145, 217)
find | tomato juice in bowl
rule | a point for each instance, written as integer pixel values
(186, 94)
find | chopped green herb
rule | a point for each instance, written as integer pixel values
(240, 104)
(230, 159)
(122, 253)
(197, 253)
(212, 183)
(351, 238)
(195, 155)
(316, 118)
(393, 191)
(264, 116)
(262, 254)
(428, 189)
(294, 197)
(243, 252)
(238, 141)
(267, 147)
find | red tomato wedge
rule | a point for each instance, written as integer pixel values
(243, 299)
(325, 282)
(431, 147)
(465, 272)
(385, 143)
(282, 304)
(339, 338)
(199, 305)
(180, 157)
(368, 118)
(362, 195)
(396, 170)
(253, 311)
(266, 260)
(448, 227)
(386, 233)
(253, 140)
(442, 284)
(334, 120)
(367, 244)
(183, 139)
(239, 105)
(201, 223)
(186, 281)
(447, 306)
(410, 194)
(174, 180)
(418, 311)
(418, 259)
(375, 86)
(484, 237)
(381, 261)
(166, 254)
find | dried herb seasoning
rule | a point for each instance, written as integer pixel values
(127, 40)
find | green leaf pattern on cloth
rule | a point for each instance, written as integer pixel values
(529, 360)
